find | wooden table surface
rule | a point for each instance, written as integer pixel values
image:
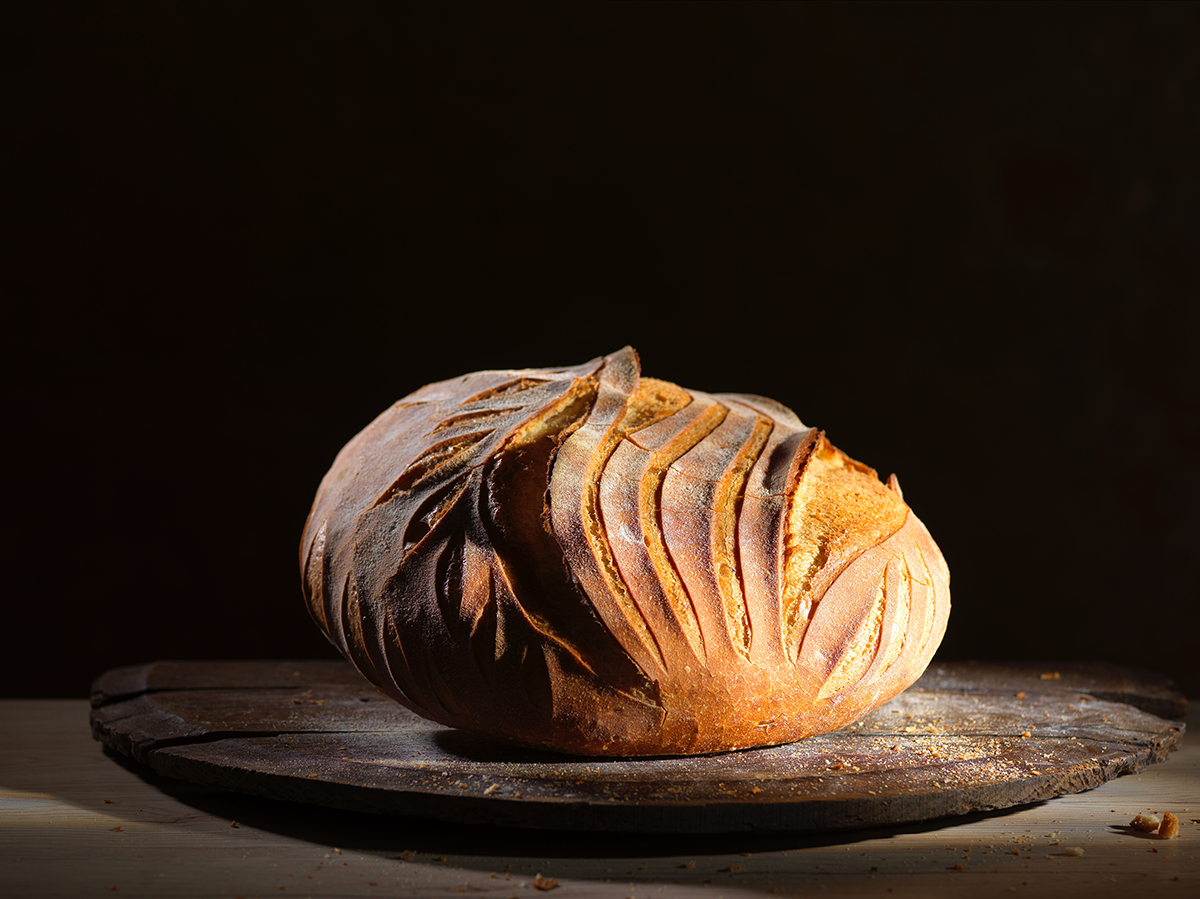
(75, 821)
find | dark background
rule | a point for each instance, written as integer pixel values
(962, 238)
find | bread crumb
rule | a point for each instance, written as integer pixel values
(1170, 827)
(1145, 822)
(544, 883)
(1073, 850)
(1051, 675)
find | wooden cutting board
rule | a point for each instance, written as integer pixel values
(967, 737)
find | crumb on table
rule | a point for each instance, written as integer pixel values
(1170, 827)
(1144, 821)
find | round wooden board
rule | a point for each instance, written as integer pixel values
(966, 737)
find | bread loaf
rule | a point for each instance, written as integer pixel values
(589, 561)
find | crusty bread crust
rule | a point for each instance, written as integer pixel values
(589, 561)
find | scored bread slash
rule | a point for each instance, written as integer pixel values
(586, 560)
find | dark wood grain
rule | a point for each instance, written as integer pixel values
(967, 737)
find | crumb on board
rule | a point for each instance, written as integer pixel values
(1073, 850)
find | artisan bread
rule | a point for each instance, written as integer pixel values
(589, 561)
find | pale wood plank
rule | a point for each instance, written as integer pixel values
(57, 839)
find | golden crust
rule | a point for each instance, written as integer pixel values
(588, 561)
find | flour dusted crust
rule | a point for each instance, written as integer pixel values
(589, 561)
